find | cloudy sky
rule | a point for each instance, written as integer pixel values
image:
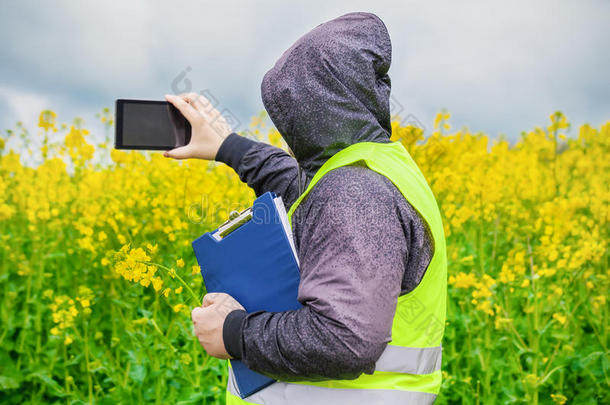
(498, 67)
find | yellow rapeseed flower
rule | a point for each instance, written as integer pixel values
(560, 318)
(559, 399)
(47, 120)
(157, 283)
(463, 280)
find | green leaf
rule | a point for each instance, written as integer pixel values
(137, 373)
(9, 383)
(51, 384)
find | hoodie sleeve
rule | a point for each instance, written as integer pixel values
(262, 166)
(352, 252)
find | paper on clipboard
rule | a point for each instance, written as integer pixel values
(246, 215)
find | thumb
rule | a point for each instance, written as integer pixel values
(183, 152)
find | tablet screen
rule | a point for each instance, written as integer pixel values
(150, 125)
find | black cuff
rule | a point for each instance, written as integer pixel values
(232, 149)
(231, 332)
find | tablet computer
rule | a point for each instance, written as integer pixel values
(149, 125)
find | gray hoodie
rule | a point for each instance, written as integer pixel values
(360, 243)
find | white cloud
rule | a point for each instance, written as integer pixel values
(498, 67)
(22, 105)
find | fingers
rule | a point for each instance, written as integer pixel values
(203, 106)
(197, 314)
(209, 299)
(200, 314)
(183, 152)
(201, 103)
(191, 114)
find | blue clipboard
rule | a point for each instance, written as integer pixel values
(252, 258)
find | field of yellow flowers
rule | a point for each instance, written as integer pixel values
(97, 275)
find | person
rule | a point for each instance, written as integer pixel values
(367, 230)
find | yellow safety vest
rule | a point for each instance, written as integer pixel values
(409, 370)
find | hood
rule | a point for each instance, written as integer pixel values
(331, 89)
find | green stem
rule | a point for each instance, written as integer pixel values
(167, 342)
(65, 357)
(156, 368)
(25, 319)
(43, 387)
(184, 284)
(86, 340)
(126, 375)
(39, 283)
(535, 340)
(196, 361)
(488, 371)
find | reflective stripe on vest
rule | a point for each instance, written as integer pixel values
(411, 360)
(394, 359)
(283, 393)
(408, 371)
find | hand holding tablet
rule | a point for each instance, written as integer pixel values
(185, 126)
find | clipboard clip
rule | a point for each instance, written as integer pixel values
(236, 219)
